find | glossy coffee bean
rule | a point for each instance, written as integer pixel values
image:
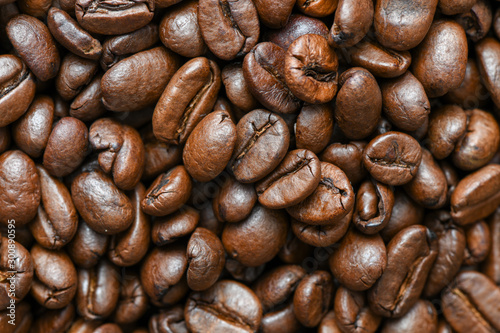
(75, 73)
(321, 235)
(478, 243)
(374, 203)
(314, 127)
(348, 157)
(168, 229)
(133, 301)
(237, 88)
(171, 319)
(422, 317)
(491, 266)
(273, 14)
(352, 21)
(234, 201)
(487, 52)
(87, 246)
(313, 297)
(352, 312)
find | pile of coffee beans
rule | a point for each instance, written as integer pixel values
(213, 166)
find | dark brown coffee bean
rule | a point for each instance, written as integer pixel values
(16, 267)
(87, 105)
(352, 312)
(32, 41)
(162, 272)
(210, 146)
(264, 72)
(55, 282)
(359, 260)
(353, 19)
(452, 7)
(348, 157)
(470, 303)
(171, 319)
(374, 202)
(177, 225)
(57, 220)
(440, 70)
(168, 192)
(20, 184)
(243, 273)
(188, 41)
(487, 52)
(314, 127)
(477, 195)
(98, 290)
(159, 157)
(106, 18)
(329, 323)
(230, 29)
(311, 69)
(36, 8)
(262, 142)
(206, 258)
(401, 35)
(392, 158)
(471, 93)
(313, 298)
(447, 126)
(133, 301)
(479, 143)
(31, 131)
(234, 201)
(75, 73)
(405, 103)
(69, 34)
(428, 187)
(138, 81)
(237, 88)
(189, 96)
(331, 200)
(67, 147)
(292, 181)
(477, 22)
(451, 240)
(129, 247)
(379, 60)
(478, 243)
(258, 238)
(17, 86)
(321, 235)
(281, 320)
(422, 317)
(227, 306)
(274, 14)
(101, 204)
(23, 324)
(410, 255)
(358, 93)
(294, 251)
(491, 266)
(4, 139)
(54, 321)
(87, 246)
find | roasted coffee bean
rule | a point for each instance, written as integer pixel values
(102, 17)
(75, 73)
(312, 298)
(392, 158)
(133, 301)
(98, 290)
(33, 42)
(274, 14)
(187, 41)
(478, 243)
(129, 247)
(373, 208)
(54, 321)
(237, 88)
(332, 199)
(227, 306)
(452, 241)
(410, 256)
(487, 52)
(348, 157)
(477, 195)
(168, 192)
(314, 127)
(159, 157)
(210, 146)
(405, 213)
(16, 268)
(57, 220)
(311, 69)
(138, 81)
(379, 60)
(230, 28)
(87, 246)
(243, 273)
(4, 139)
(168, 229)
(281, 320)
(101, 204)
(352, 312)
(264, 72)
(258, 238)
(69, 34)
(17, 89)
(491, 266)
(422, 317)
(329, 323)
(262, 142)
(471, 93)
(358, 93)
(31, 132)
(108, 328)
(22, 325)
(292, 181)
(298, 25)
(168, 320)
(36, 8)
(353, 19)
(234, 201)
(449, 7)
(441, 69)
(401, 35)
(405, 103)
(206, 258)
(188, 97)
(477, 21)
(321, 235)
(163, 274)
(55, 281)
(20, 183)
(469, 303)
